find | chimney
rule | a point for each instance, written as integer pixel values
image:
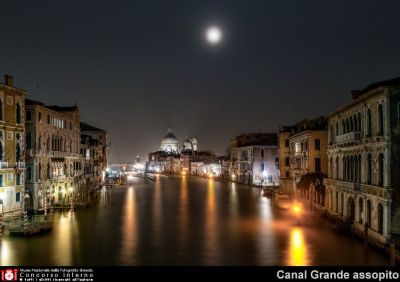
(8, 80)
(355, 94)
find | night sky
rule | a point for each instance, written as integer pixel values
(136, 67)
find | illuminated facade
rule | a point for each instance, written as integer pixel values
(12, 140)
(52, 153)
(364, 154)
(307, 150)
(253, 159)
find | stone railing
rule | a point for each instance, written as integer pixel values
(342, 184)
(347, 185)
(352, 137)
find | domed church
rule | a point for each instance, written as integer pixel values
(170, 144)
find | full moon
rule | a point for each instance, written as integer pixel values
(213, 35)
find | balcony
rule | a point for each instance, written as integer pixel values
(348, 185)
(376, 190)
(342, 184)
(348, 138)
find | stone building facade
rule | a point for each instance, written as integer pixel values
(94, 155)
(12, 140)
(285, 181)
(307, 149)
(52, 153)
(363, 181)
(253, 159)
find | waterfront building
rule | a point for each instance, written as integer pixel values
(197, 168)
(12, 143)
(307, 152)
(52, 152)
(253, 159)
(285, 181)
(364, 154)
(94, 155)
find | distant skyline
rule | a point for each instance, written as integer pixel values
(135, 68)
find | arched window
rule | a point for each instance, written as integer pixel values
(351, 168)
(343, 127)
(40, 171)
(337, 127)
(351, 125)
(17, 153)
(28, 140)
(355, 124)
(359, 122)
(48, 170)
(380, 120)
(380, 170)
(18, 114)
(368, 132)
(337, 168)
(355, 173)
(380, 218)
(369, 212)
(28, 173)
(331, 135)
(360, 210)
(344, 168)
(369, 169)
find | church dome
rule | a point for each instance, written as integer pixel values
(170, 144)
(187, 145)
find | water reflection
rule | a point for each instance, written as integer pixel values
(5, 253)
(129, 229)
(183, 221)
(298, 253)
(63, 238)
(210, 228)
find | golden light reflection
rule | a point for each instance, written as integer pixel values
(297, 255)
(5, 253)
(183, 215)
(63, 239)
(129, 229)
(157, 218)
(211, 224)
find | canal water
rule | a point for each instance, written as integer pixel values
(185, 221)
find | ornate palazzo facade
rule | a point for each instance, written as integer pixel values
(363, 160)
(52, 152)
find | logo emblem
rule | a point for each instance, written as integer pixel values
(9, 274)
